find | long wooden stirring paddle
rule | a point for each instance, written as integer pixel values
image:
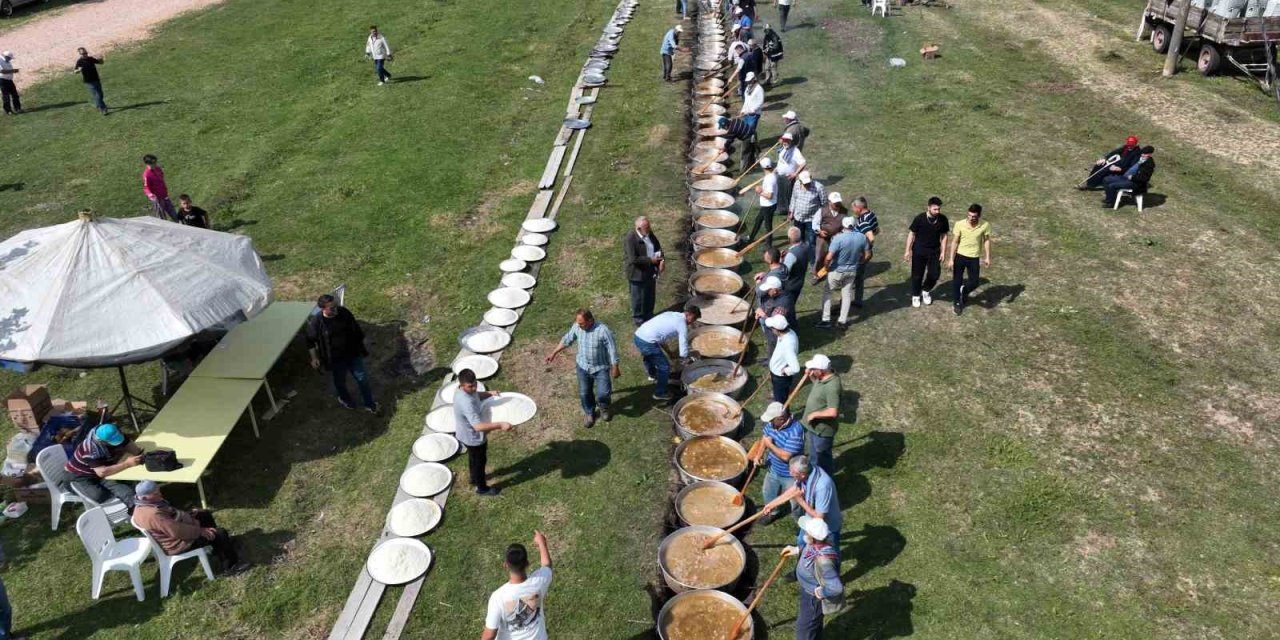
(756, 451)
(737, 628)
(711, 542)
(758, 159)
(753, 245)
(795, 392)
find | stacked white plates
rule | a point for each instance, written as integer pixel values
(414, 517)
(528, 253)
(482, 366)
(435, 447)
(509, 297)
(538, 225)
(500, 317)
(426, 479)
(519, 280)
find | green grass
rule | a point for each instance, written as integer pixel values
(1088, 452)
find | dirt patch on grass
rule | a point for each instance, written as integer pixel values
(479, 220)
(657, 136)
(552, 386)
(851, 37)
(306, 285)
(1092, 543)
(1053, 87)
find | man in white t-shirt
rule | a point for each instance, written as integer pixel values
(516, 608)
(768, 190)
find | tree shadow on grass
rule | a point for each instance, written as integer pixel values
(875, 614)
(574, 458)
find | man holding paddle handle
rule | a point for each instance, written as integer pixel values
(818, 572)
(783, 438)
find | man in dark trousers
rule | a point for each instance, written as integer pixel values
(87, 67)
(12, 102)
(1135, 178)
(752, 62)
(178, 532)
(926, 244)
(791, 124)
(1127, 156)
(336, 342)
(642, 255)
(796, 259)
(472, 431)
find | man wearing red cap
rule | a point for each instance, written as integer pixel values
(1126, 156)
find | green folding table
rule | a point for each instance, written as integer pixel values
(194, 424)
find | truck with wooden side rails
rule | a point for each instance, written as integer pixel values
(1242, 33)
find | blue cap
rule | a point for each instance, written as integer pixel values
(146, 487)
(110, 434)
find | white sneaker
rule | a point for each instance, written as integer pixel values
(380, 83)
(915, 301)
(927, 298)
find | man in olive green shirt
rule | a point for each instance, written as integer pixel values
(821, 411)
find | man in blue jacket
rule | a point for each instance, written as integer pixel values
(818, 573)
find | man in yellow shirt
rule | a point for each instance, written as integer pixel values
(972, 239)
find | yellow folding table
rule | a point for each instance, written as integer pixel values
(250, 349)
(194, 424)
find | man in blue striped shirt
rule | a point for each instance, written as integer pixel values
(783, 438)
(868, 225)
(597, 360)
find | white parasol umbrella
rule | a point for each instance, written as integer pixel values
(106, 292)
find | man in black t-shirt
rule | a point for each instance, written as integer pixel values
(87, 67)
(926, 244)
(191, 216)
(336, 342)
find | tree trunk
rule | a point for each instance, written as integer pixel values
(1175, 41)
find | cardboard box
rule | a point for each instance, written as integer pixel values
(78, 407)
(29, 406)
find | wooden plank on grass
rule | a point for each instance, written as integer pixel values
(403, 608)
(553, 167)
(564, 188)
(540, 204)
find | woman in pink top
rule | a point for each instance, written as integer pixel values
(157, 192)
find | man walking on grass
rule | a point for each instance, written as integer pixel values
(972, 237)
(472, 431)
(821, 411)
(847, 254)
(515, 609)
(376, 47)
(87, 67)
(9, 90)
(926, 244)
(336, 342)
(596, 362)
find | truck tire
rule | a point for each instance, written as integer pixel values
(1210, 59)
(6, 8)
(1160, 36)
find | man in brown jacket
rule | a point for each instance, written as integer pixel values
(181, 531)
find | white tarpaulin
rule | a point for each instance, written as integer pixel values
(107, 291)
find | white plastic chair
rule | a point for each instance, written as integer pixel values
(882, 5)
(109, 554)
(115, 510)
(50, 462)
(1137, 198)
(167, 561)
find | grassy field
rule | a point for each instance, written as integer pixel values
(1087, 452)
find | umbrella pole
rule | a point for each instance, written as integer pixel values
(129, 399)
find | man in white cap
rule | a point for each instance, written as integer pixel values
(791, 124)
(790, 163)
(827, 225)
(818, 575)
(752, 100)
(848, 252)
(773, 301)
(745, 23)
(783, 438)
(807, 198)
(768, 192)
(752, 62)
(821, 417)
(670, 42)
(798, 253)
(9, 90)
(784, 364)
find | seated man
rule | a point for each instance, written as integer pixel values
(181, 531)
(1135, 178)
(100, 455)
(1127, 155)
